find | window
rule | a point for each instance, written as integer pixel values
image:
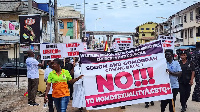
(152, 28)
(191, 16)
(143, 34)
(147, 28)
(185, 18)
(181, 19)
(185, 34)
(142, 28)
(191, 33)
(61, 25)
(69, 25)
(152, 34)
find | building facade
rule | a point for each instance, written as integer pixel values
(70, 22)
(184, 26)
(10, 11)
(146, 32)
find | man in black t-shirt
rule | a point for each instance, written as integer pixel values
(186, 79)
(68, 66)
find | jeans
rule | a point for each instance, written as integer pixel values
(61, 103)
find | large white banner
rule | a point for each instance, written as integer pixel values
(167, 41)
(51, 51)
(128, 77)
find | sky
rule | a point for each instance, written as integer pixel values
(124, 15)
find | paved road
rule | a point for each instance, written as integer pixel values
(192, 106)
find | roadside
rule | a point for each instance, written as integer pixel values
(13, 100)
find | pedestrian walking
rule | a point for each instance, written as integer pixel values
(46, 74)
(196, 58)
(174, 70)
(79, 92)
(59, 78)
(186, 79)
(33, 77)
(69, 66)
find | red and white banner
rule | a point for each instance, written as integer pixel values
(137, 75)
(73, 49)
(167, 41)
(51, 51)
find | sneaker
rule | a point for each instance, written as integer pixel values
(123, 107)
(183, 110)
(152, 103)
(36, 104)
(31, 104)
(146, 106)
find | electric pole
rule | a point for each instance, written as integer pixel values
(30, 7)
(56, 22)
(50, 23)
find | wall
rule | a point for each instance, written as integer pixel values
(189, 22)
(146, 32)
(65, 30)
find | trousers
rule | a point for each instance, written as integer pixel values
(170, 101)
(185, 90)
(61, 103)
(32, 89)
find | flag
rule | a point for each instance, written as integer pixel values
(106, 46)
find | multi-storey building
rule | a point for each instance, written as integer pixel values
(71, 22)
(146, 32)
(185, 25)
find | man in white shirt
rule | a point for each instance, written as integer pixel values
(33, 77)
(46, 74)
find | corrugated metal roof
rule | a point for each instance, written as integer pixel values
(68, 12)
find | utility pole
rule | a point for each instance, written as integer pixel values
(84, 21)
(56, 22)
(50, 23)
(30, 7)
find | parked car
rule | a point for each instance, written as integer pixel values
(9, 69)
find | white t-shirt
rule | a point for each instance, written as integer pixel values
(32, 68)
(46, 74)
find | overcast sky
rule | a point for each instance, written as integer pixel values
(133, 13)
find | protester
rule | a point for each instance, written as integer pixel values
(33, 77)
(147, 104)
(79, 92)
(69, 66)
(196, 58)
(46, 74)
(186, 79)
(59, 78)
(174, 70)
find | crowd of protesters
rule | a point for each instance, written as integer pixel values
(65, 81)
